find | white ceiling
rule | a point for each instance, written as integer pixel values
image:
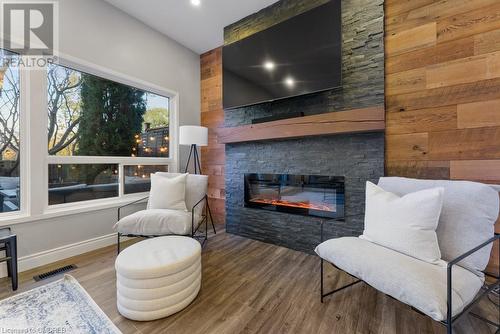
(198, 28)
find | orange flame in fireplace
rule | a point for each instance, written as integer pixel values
(302, 205)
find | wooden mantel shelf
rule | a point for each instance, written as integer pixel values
(350, 121)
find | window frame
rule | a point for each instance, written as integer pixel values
(35, 158)
(24, 186)
(121, 173)
(171, 161)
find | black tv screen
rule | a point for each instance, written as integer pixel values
(299, 56)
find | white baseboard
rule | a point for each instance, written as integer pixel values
(60, 253)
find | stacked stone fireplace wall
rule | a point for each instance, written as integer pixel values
(357, 157)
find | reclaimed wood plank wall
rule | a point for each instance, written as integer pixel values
(443, 90)
(212, 116)
(442, 94)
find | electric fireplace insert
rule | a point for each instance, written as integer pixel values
(309, 195)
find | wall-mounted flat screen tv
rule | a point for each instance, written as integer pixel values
(301, 55)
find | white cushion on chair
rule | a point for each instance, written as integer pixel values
(157, 222)
(406, 224)
(469, 213)
(168, 193)
(412, 281)
(196, 189)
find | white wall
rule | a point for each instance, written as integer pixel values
(96, 32)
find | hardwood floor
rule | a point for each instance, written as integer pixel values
(253, 287)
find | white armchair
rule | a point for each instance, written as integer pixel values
(465, 235)
(160, 222)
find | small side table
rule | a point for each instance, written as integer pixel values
(8, 243)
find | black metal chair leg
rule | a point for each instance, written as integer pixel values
(13, 262)
(449, 317)
(118, 244)
(323, 294)
(211, 218)
(8, 255)
(321, 281)
(206, 226)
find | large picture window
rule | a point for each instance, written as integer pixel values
(82, 182)
(91, 118)
(10, 199)
(138, 177)
(78, 137)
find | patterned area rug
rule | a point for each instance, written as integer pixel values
(58, 307)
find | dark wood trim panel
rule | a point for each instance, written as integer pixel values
(350, 121)
(212, 116)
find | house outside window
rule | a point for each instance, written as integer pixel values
(91, 117)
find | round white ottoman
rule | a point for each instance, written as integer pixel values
(157, 277)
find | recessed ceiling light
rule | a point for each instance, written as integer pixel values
(196, 2)
(269, 65)
(289, 82)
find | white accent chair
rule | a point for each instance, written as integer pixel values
(443, 292)
(150, 223)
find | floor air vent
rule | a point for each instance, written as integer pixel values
(54, 272)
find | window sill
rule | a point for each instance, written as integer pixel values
(69, 210)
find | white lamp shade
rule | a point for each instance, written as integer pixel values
(191, 134)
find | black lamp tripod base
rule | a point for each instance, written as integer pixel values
(193, 153)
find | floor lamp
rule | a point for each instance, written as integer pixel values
(194, 136)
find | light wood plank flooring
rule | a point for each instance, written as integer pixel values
(253, 287)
